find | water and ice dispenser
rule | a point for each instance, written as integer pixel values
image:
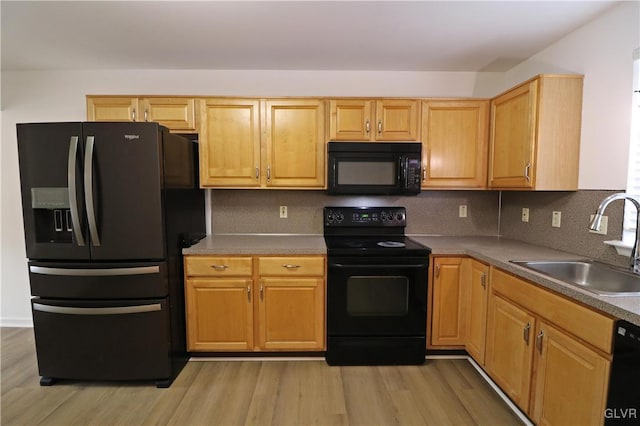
(52, 215)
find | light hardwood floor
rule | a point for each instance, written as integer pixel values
(440, 392)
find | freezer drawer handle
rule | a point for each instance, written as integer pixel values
(119, 310)
(100, 272)
(73, 197)
(88, 191)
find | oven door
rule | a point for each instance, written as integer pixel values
(377, 296)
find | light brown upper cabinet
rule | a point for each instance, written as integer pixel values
(229, 142)
(254, 143)
(535, 135)
(374, 120)
(455, 142)
(175, 113)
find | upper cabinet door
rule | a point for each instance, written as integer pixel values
(513, 127)
(177, 114)
(455, 142)
(295, 143)
(350, 120)
(397, 120)
(230, 142)
(535, 135)
(113, 109)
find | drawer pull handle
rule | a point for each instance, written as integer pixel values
(290, 266)
(219, 267)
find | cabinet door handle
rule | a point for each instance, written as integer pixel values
(133, 114)
(249, 293)
(146, 115)
(527, 170)
(269, 174)
(525, 334)
(290, 266)
(261, 291)
(380, 127)
(539, 338)
(483, 281)
(437, 270)
(257, 173)
(424, 173)
(367, 126)
(219, 267)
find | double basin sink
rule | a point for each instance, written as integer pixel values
(592, 276)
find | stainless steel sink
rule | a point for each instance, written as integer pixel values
(589, 275)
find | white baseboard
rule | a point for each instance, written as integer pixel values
(16, 322)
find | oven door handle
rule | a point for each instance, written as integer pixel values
(377, 266)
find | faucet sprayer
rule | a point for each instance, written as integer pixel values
(634, 259)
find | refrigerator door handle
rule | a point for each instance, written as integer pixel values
(99, 272)
(88, 191)
(118, 310)
(73, 196)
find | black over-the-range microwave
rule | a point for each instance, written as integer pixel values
(374, 168)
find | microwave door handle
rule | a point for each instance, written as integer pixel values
(402, 172)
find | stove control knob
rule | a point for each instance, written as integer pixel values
(330, 216)
(339, 217)
(399, 216)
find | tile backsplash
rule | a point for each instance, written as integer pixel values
(434, 213)
(573, 234)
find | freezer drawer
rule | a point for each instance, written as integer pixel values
(108, 280)
(109, 340)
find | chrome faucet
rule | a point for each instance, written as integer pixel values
(634, 259)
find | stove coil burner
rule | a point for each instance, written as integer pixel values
(391, 244)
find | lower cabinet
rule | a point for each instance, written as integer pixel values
(551, 356)
(475, 290)
(447, 310)
(251, 303)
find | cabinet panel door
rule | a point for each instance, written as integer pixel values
(230, 143)
(177, 114)
(291, 314)
(397, 120)
(219, 314)
(113, 109)
(455, 143)
(513, 133)
(570, 382)
(295, 143)
(509, 351)
(477, 299)
(447, 325)
(350, 120)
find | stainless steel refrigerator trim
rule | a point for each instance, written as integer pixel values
(73, 197)
(121, 310)
(88, 191)
(140, 270)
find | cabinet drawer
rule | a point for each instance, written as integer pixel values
(213, 266)
(284, 266)
(591, 326)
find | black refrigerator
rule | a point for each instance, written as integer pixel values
(107, 209)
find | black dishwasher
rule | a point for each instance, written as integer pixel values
(623, 403)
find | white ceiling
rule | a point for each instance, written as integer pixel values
(288, 35)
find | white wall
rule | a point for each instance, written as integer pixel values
(600, 50)
(603, 51)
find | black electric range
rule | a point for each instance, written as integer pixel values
(376, 288)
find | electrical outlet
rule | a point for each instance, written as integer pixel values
(556, 218)
(283, 212)
(525, 214)
(462, 210)
(603, 226)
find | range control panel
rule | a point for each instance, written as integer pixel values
(365, 216)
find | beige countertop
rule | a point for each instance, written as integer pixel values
(275, 244)
(492, 250)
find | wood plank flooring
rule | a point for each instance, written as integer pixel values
(440, 392)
